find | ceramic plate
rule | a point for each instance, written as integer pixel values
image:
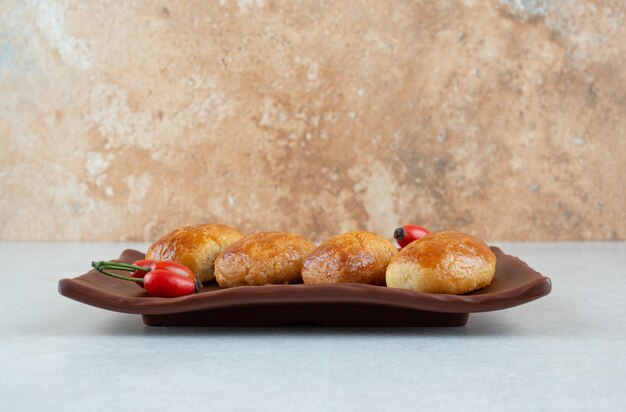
(348, 304)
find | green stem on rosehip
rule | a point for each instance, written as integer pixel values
(118, 266)
(114, 275)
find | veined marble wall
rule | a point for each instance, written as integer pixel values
(121, 120)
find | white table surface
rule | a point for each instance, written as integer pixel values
(562, 352)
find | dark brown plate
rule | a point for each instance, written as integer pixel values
(347, 304)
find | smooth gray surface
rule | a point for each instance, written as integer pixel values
(562, 352)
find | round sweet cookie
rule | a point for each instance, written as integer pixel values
(196, 247)
(264, 258)
(443, 262)
(353, 257)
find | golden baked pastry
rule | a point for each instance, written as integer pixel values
(263, 258)
(196, 247)
(353, 257)
(443, 262)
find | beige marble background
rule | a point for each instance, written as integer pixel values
(121, 120)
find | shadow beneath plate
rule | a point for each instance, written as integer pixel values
(476, 327)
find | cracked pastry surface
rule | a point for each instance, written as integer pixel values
(196, 247)
(353, 257)
(263, 258)
(443, 262)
